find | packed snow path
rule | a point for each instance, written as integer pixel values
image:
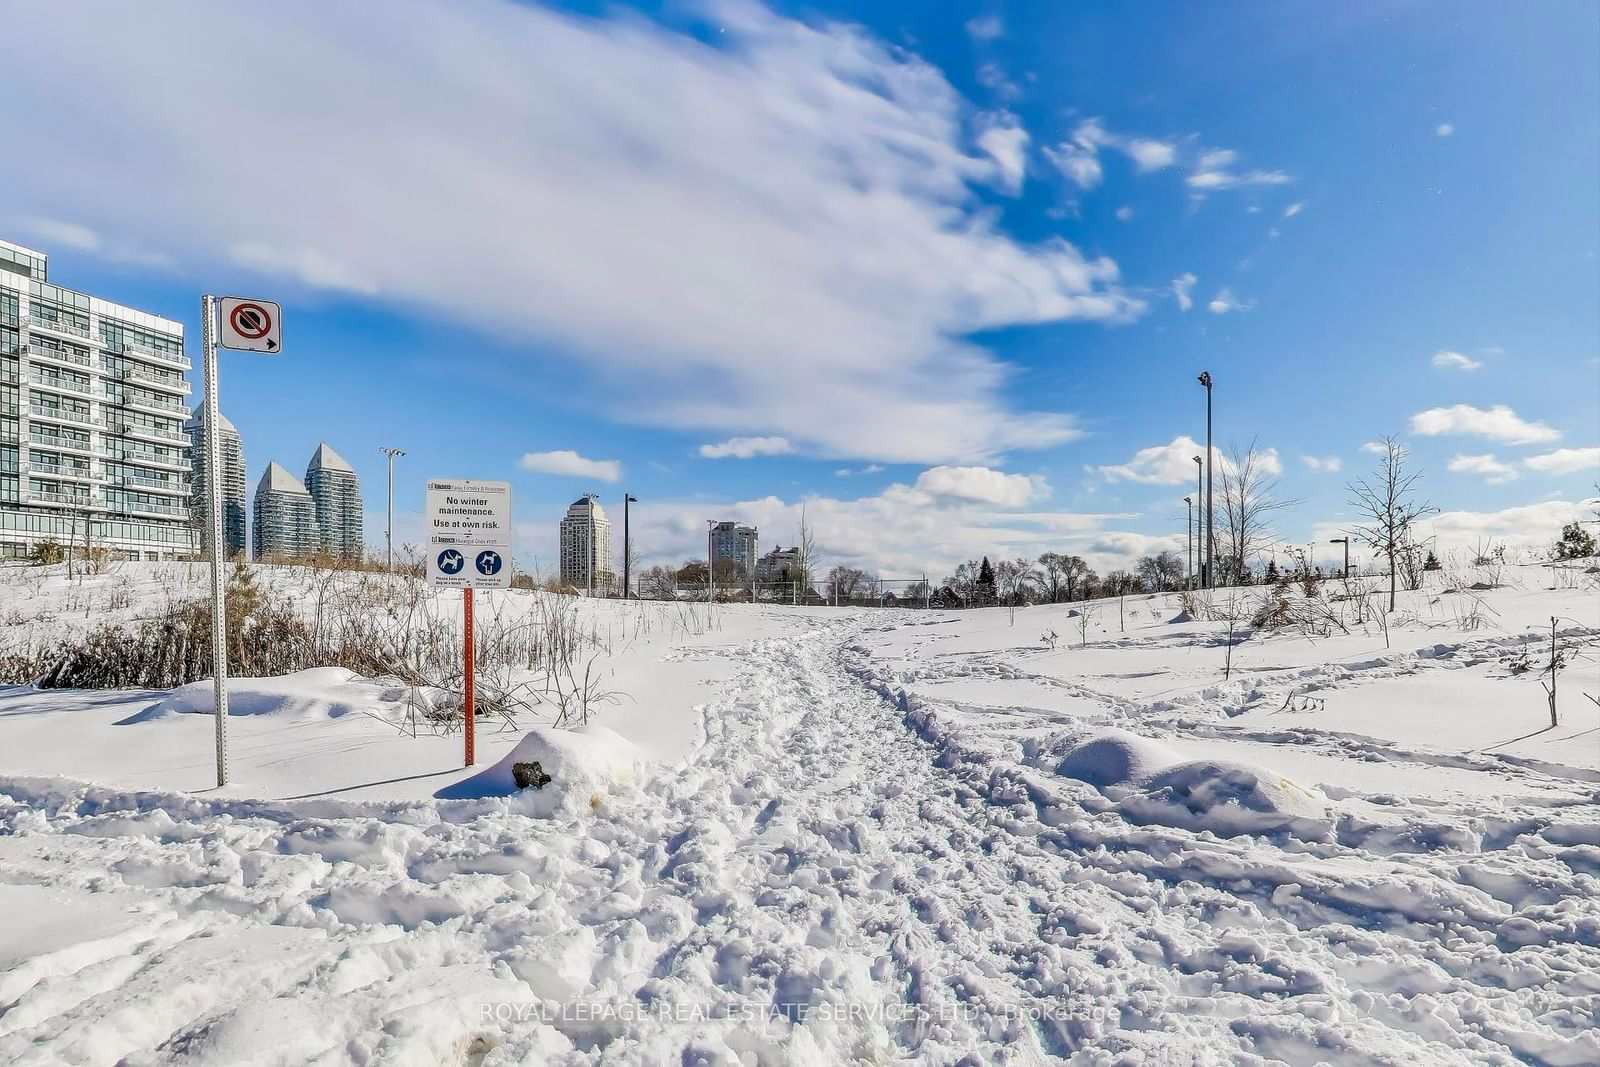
(829, 879)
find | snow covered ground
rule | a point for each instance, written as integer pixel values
(834, 837)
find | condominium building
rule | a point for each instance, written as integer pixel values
(731, 541)
(285, 520)
(585, 544)
(336, 493)
(232, 483)
(779, 565)
(92, 411)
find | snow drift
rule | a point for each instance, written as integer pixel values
(317, 693)
(587, 762)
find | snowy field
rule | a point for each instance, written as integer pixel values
(828, 836)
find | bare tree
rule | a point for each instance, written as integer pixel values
(1015, 581)
(806, 553)
(656, 583)
(1387, 501)
(1249, 500)
(1160, 572)
(1063, 575)
(846, 583)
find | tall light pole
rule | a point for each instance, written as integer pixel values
(1210, 564)
(627, 560)
(388, 529)
(1345, 541)
(1199, 494)
(711, 524)
(1188, 538)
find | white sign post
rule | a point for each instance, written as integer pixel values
(469, 547)
(252, 326)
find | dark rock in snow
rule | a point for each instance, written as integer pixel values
(529, 774)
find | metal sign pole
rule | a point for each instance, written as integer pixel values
(219, 608)
(469, 696)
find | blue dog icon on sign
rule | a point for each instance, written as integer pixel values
(451, 561)
(488, 562)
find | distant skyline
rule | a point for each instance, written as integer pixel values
(941, 274)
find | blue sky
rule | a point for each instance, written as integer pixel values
(944, 249)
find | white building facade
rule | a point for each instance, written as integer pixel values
(586, 544)
(92, 412)
(285, 520)
(741, 544)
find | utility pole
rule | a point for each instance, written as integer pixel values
(388, 531)
(1211, 533)
(627, 560)
(1345, 541)
(1188, 538)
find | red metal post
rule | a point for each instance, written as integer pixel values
(466, 610)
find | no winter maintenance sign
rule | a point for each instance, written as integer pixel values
(469, 534)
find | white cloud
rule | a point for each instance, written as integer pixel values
(1124, 213)
(1214, 172)
(60, 232)
(1079, 157)
(747, 447)
(786, 195)
(901, 531)
(1565, 461)
(1374, 448)
(1225, 302)
(1294, 209)
(1491, 469)
(1498, 423)
(847, 472)
(1455, 361)
(1172, 463)
(1182, 286)
(1527, 528)
(1332, 464)
(569, 463)
(1007, 144)
(983, 485)
(985, 27)
(1444, 129)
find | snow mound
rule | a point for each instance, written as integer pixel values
(584, 763)
(317, 693)
(1180, 617)
(1115, 758)
(1153, 784)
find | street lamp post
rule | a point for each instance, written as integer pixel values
(1345, 541)
(1211, 533)
(627, 559)
(388, 530)
(1188, 538)
(1199, 544)
(711, 524)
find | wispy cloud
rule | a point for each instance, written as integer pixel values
(1331, 464)
(985, 27)
(983, 485)
(1498, 423)
(747, 447)
(1182, 290)
(749, 195)
(1294, 209)
(1225, 302)
(1566, 461)
(1444, 129)
(1488, 466)
(1079, 157)
(1215, 171)
(1455, 361)
(1173, 463)
(570, 464)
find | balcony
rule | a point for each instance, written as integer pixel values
(165, 379)
(144, 403)
(78, 418)
(59, 355)
(70, 500)
(52, 470)
(145, 459)
(66, 444)
(171, 359)
(155, 485)
(65, 329)
(129, 507)
(60, 385)
(148, 433)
